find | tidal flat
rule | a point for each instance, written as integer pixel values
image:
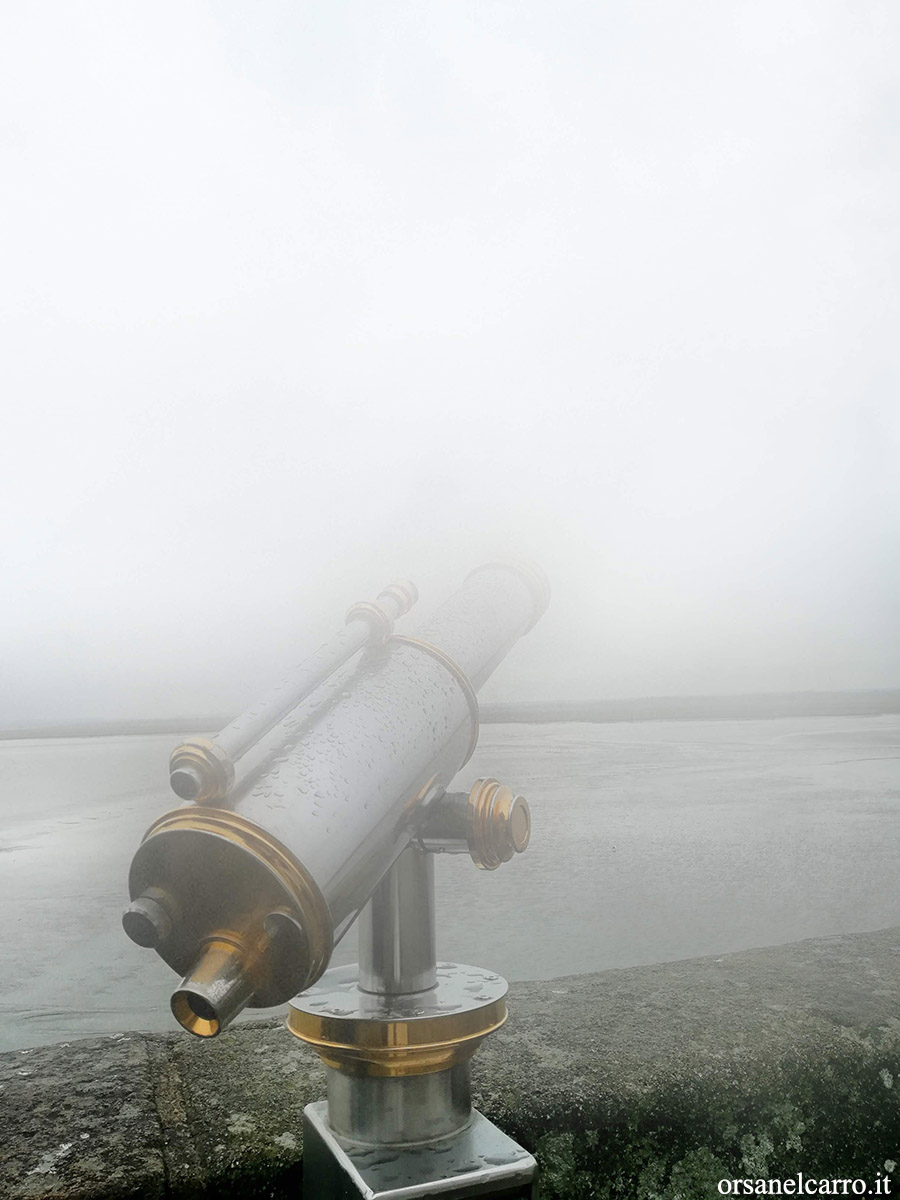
(652, 841)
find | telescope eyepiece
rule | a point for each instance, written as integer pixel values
(217, 988)
(195, 1014)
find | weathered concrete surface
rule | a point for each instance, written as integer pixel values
(652, 1082)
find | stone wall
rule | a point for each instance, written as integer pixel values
(649, 1082)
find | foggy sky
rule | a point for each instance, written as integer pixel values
(300, 297)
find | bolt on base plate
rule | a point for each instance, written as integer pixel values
(480, 1160)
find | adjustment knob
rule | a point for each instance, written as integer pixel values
(498, 823)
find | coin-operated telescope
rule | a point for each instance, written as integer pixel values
(326, 802)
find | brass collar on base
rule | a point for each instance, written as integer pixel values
(361, 1034)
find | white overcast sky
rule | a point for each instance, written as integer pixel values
(299, 297)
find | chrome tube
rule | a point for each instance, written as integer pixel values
(396, 929)
(400, 1110)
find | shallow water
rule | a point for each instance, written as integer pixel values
(652, 841)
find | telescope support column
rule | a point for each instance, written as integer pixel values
(396, 1034)
(396, 929)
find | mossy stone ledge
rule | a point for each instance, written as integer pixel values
(651, 1082)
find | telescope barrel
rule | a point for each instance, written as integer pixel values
(480, 623)
(247, 901)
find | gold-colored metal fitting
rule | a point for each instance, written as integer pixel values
(201, 771)
(304, 901)
(498, 823)
(225, 971)
(458, 674)
(380, 621)
(395, 1048)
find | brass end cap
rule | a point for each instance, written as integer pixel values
(498, 823)
(201, 771)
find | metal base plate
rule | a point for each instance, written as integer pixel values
(479, 1161)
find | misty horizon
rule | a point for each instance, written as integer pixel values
(300, 301)
(736, 706)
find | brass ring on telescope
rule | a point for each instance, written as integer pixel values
(311, 909)
(458, 674)
(390, 1048)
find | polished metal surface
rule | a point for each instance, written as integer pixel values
(343, 783)
(378, 1110)
(397, 1054)
(498, 603)
(396, 929)
(480, 1161)
(459, 677)
(326, 801)
(460, 989)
